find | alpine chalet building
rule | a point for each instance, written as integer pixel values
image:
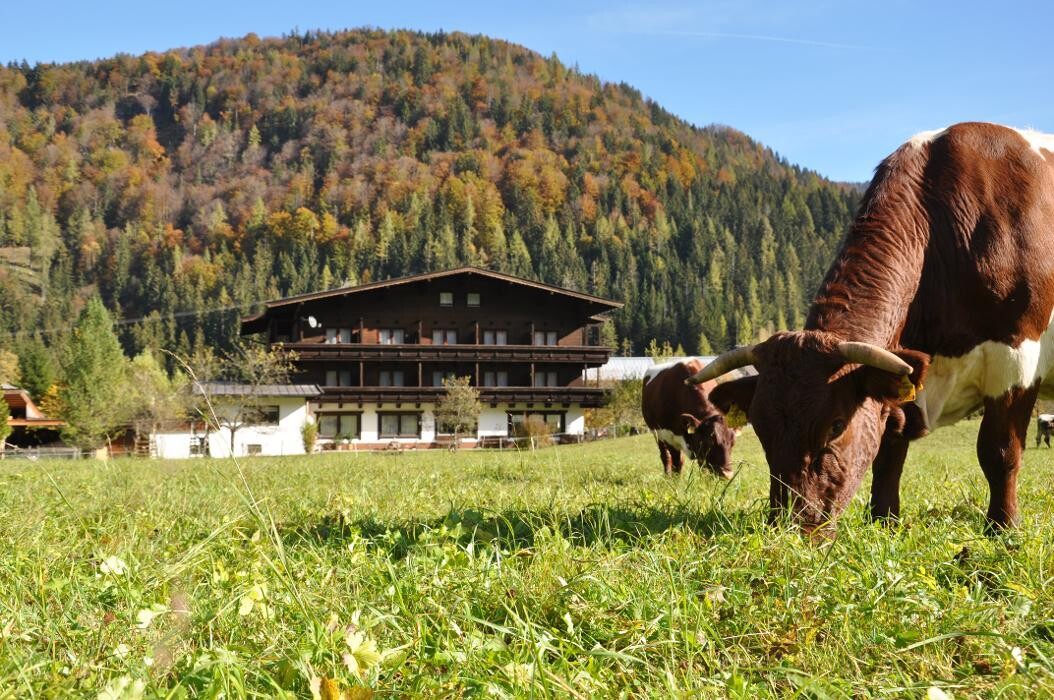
(380, 351)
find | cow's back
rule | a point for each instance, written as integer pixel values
(971, 211)
(665, 396)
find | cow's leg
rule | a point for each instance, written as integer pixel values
(885, 477)
(999, 446)
(678, 460)
(664, 455)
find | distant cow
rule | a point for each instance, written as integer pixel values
(683, 419)
(1044, 428)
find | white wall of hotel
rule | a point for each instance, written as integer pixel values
(493, 421)
(283, 438)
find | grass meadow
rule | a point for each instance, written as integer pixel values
(577, 571)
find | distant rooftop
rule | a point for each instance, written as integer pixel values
(230, 389)
(618, 369)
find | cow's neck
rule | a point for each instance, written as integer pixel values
(871, 284)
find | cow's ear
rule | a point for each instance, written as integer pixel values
(893, 389)
(689, 423)
(734, 398)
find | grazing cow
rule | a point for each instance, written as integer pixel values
(683, 420)
(1044, 428)
(939, 302)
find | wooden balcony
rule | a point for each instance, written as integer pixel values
(355, 352)
(591, 397)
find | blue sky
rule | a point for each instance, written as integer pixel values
(830, 85)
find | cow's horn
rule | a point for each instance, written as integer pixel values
(726, 362)
(874, 356)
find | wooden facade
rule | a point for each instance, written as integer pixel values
(387, 346)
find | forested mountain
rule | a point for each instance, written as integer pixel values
(207, 179)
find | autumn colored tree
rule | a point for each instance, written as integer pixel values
(255, 168)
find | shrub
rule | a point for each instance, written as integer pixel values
(309, 433)
(538, 429)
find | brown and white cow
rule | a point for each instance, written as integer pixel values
(683, 419)
(940, 302)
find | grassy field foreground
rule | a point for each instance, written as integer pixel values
(570, 572)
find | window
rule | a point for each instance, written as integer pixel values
(338, 377)
(400, 425)
(392, 336)
(262, 415)
(545, 379)
(495, 337)
(438, 377)
(472, 300)
(338, 335)
(339, 425)
(253, 450)
(199, 446)
(444, 336)
(554, 420)
(446, 298)
(545, 337)
(499, 378)
(392, 377)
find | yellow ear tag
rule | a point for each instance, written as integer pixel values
(735, 418)
(690, 430)
(907, 390)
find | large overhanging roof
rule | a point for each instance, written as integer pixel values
(605, 304)
(265, 390)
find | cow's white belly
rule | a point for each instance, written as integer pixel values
(670, 438)
(956, 386)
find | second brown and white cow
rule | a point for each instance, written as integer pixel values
(683, 419)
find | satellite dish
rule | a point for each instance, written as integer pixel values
(312, 321)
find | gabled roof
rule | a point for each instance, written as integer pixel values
(428, 276)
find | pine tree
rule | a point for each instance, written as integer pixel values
(37, 368)
(95, 373)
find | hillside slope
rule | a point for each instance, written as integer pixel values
(218, 176)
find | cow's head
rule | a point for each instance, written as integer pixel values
(710, 442)
(819, 406)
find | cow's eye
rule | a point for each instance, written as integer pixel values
(837, 428)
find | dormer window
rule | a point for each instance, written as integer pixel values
(446, 298)
(472, 300)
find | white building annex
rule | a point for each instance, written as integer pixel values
(266, 420)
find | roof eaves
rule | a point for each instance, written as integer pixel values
(426, 276)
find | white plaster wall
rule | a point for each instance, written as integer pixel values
(173, 445)
(370, 422)
(575, 421)
(283, 439)
(493, 422)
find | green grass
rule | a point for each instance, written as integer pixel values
(570, 572)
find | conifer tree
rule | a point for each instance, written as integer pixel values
(95, 374)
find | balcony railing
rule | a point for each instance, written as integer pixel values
(585, 396)
(579, 354)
